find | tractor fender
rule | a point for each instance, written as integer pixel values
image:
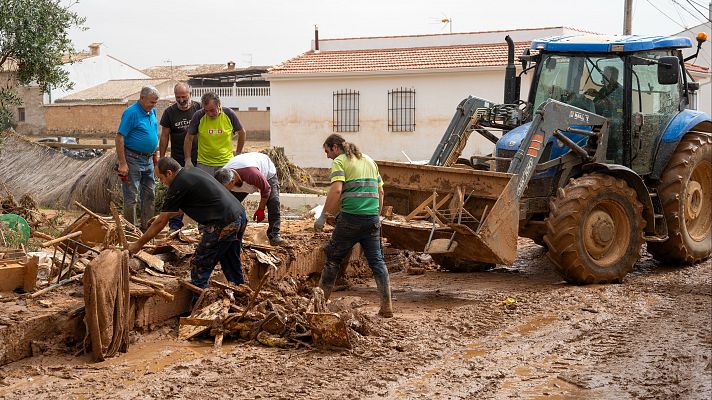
(636, 182)
(678, 127)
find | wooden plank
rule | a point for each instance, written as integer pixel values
(435, 217)
(217, 345)
(119, 226)
(30, 276)
(154, 285)
(61, 238)
(421, 207)
(211, 311)
(152, 261)
(12, 276)
(190, 286)
(90, 212)
(196, 321)
(442, 202)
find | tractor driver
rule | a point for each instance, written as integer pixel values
(609, 98)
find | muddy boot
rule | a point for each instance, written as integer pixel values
(328, 278)
(384, 291)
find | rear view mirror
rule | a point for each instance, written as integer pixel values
(525, 58)
(668, 70)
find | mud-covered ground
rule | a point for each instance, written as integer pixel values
(453, 336)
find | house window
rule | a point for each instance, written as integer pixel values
(401, 110)
(346, 110)
(21, 114)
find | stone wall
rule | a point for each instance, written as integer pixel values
(83, 119)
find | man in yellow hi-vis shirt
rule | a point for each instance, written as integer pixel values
(356, 194)
(215, 127)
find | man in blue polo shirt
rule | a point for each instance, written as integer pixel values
(136, 143)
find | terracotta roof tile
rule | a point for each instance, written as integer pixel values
(181, 72)
(416, 58)
(114, 90)
(696, 68)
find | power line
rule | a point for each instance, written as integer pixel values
(704, 6)
(679, 15)
(695, 8)
(687, 11)
(665, 15)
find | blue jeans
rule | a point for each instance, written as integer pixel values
(351, 229)
(219, 243)
(175, 223)
(139, 187)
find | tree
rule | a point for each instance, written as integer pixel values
(34, 41)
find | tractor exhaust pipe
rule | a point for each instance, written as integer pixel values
(511, 80)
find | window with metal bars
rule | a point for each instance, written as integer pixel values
(401, 110)
(346, 110)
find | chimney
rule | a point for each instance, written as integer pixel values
(231, 65)
(316, 38)
(94, 49)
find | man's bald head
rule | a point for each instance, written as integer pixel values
(182, 94)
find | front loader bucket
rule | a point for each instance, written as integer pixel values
(490, 236)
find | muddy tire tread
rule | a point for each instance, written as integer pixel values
(562, 236)
(676, 174)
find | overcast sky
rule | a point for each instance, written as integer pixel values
(146, 33)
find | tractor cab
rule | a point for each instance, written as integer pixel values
(637, 82)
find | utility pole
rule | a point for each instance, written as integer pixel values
(628, 17)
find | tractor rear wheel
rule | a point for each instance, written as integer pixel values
(685, 192)
(594, 229)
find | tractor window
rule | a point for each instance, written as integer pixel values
(653, 106)
(594, 84)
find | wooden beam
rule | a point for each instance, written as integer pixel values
(61, 239)
(421, 207)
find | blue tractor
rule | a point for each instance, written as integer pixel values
(604, 155)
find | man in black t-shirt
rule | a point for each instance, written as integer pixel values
(174, 121)
(221, 217)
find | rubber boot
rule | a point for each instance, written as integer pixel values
(328, 278)
(384, 290)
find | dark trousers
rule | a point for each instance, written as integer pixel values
(273, 215)
(223, 244)
(351, 229)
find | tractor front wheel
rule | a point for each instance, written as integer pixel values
(595, 229)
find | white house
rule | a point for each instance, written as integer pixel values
(92, 68)
(388, 95)
(702, 74)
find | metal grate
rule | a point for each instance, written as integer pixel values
(401, 110)
(346, 110)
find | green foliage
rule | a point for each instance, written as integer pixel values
(34, 39)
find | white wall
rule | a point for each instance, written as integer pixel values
(301, 114)
(704, 96)
(93, 71)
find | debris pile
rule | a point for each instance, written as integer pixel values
(292, 178)
(283, 314)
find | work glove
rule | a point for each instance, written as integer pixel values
(259, 215)
(188, 163)
(319, 223)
